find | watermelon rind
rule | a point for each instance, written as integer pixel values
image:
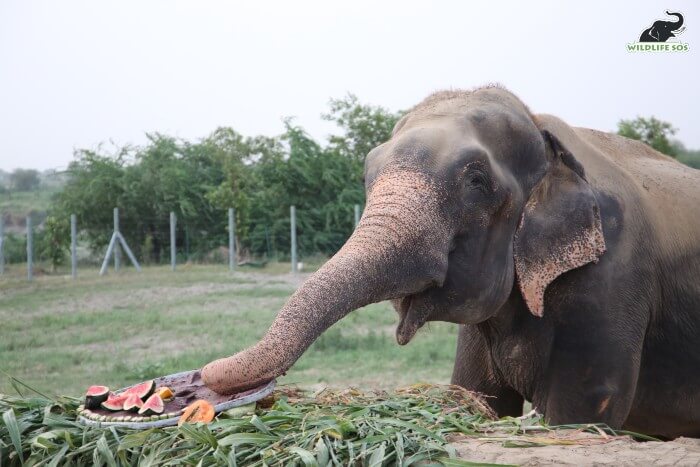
(142, 390)
(95, 396)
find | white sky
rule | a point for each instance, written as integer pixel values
(75, 73)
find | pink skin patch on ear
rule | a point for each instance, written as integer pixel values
(535, 276)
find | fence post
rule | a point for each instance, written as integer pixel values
(231, 239)
(2, 242)
(172, 240)
(357, 215)
(73, 246)
(293, 222)
(117, 250)
(30, 250)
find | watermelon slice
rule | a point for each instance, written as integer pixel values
(133, 402)
(153, 406)
(95, 396)
(115, 402)
(142, 390)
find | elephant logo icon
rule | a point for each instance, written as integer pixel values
(661, 30)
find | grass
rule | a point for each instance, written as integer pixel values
(408, 427)
(60, 336)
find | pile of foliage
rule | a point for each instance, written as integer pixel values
(260, 177)
(406, 427)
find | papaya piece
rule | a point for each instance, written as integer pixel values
(199, 411)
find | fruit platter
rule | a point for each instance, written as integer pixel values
(165, 401)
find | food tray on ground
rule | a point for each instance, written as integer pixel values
(188, 388)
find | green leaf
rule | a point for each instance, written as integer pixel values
(414, 427)
(398, 445)
(58, 457)
(241, 411)
(199, 433)
(134, 439)
(239, 439)
(306, 457)
(13, 430)
(322, 454)
(377, 456)
(257, 423)
(105, 452)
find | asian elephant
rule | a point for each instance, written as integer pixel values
(569, 257)
(661, 31)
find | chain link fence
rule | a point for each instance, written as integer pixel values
(32, 242)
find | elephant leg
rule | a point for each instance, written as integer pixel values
(473, 370)
(591, 376)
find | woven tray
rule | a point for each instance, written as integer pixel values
(188, 387)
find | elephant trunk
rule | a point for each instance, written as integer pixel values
(399, 248)
(679, 23)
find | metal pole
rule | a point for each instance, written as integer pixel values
(120, 238)
(30, 249)
(293, 216)
(357, 215)
(117, 251)
(2, 241)
(110, 249)
(172, 240)
(231, 240)
(73, 246)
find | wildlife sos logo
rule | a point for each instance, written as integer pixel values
(659, 36)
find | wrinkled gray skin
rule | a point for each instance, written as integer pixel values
(570, 259)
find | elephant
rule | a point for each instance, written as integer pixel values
(568, 257)
(661, 31)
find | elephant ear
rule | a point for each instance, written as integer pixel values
(560, 227)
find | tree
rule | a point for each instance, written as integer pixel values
(258, 176)
(687, 156)
(24, 179)
(364, 126)
(55, 241)
(652, 131)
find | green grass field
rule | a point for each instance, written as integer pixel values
(60, 335)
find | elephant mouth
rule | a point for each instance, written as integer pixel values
(416, 309)
(412, 316)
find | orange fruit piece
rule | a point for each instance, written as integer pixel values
(198, 411)
(165, 393)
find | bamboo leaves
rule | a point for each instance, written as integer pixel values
(330, 429)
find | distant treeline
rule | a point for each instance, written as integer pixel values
(260, 177)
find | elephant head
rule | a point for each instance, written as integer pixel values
(467, 200)
(661, 31)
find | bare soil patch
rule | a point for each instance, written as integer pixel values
(584, 449)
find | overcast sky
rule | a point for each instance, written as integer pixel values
(75, 73)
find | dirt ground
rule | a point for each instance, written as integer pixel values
(586, 449)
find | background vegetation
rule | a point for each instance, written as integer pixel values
(259, 176)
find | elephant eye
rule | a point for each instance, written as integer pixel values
(477, 179)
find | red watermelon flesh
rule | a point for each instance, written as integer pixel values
(115, 402)
(142, 390)
(132, 402)
(153, 406)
